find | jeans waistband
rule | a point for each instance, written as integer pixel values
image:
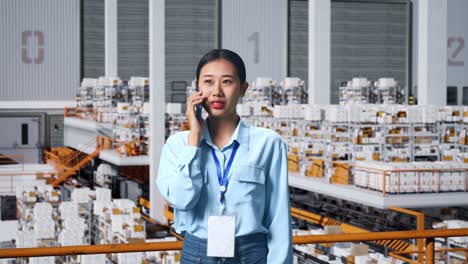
(250, 238)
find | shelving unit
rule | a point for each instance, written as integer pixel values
(461, 256)
(396, 143)
(377, 199)
(127, 131)
(367, 141)
(425, 138)
(450, 149)
(357, 95)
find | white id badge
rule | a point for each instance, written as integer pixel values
(221, 236)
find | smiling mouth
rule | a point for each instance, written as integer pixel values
(217, 105)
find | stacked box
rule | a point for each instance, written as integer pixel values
(336, 114)
(130, 258)
(42, 260)
(313, 113)
(262, 109)
(428, 182)
(449, 114)
(92, 259)
(428, 115)
(316, 169)
(296, 111)
(341, 173)
(281, 111)
(44, 228)
(81, 195)
(26, 194)
(293, 163)
(401, 178)
(135, 232)
(26, 239)
(70, 237)
(451, 224)
(363, 114)
(102, 209)
(465, 114)
(119, 221)
(42, 210)
(244, 110)
(124, 205)
(68, 210)
(103, 195)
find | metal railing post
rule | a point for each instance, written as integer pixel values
(430, 250)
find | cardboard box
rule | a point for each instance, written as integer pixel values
(341, 174)
(332, 230)
(359, 249)
(316, 169)
(293, 163)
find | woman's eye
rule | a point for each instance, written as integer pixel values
(208, 81)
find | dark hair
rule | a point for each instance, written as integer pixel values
(228, 55)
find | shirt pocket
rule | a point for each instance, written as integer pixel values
(250, 184)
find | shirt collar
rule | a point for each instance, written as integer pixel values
(241, 135)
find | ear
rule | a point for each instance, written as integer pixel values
(244, 87)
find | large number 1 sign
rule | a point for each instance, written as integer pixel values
(26, 37)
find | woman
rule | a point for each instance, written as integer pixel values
(227, 181)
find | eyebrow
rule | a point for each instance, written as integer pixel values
(226, 75)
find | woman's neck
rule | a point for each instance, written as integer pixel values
(221, 129)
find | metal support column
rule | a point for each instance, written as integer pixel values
(110, 38)
(157, 101)
(432, 52)
(319, 51)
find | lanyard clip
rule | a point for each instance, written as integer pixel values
(221, 198)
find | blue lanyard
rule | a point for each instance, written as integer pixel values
(223, 179)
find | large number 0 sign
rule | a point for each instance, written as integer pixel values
(455, 46)
(26, 38)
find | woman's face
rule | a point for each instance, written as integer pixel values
(221, 86)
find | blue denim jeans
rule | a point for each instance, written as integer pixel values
(250, 249)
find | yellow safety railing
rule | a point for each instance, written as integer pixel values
(428, 235)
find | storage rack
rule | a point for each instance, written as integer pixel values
(390, 95)
(462, 257)
(450, 149)
(425, 142)
(396, 145)
(357, 95)
(338, 155)
(367, 141)
(127, 133)
(144, 132)
(313, 149)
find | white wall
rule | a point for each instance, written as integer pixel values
(257, 31)
(39, 50)
(8, 230)
(457, 44)
(457, 54)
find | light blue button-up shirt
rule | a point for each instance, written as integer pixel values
(257, 191)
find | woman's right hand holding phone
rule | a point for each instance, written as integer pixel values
(196, 125)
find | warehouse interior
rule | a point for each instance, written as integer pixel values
(370, 96)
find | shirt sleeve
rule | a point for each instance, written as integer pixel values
(179, 177)
(278, 215)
